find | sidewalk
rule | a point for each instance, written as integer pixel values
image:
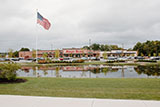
(30, 101)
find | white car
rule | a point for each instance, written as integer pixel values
(103, 60)
(84, 58)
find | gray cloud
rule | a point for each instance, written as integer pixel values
(74, 22)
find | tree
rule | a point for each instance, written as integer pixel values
(154, 54)
(95, 46)
(83, 54)
(33, 53)
(148, 48)
(149, 55)
(16, 54)
(102, 47)
(142, 54)
(45, 55)
(24, 49)
(10, 53)
(57, 53)
(105, 55)
(107, 47)
(85, 47)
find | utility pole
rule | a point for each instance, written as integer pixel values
(90, 49)
(51, 50)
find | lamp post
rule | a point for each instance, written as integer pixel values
(90, 49)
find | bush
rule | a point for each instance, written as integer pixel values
(47, 62)
(113, 61)
(8, 71)
(146, 60)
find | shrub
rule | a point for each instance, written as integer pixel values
(113, 61)
(47, 62)
(8, 71)
(146, 60)
(110, 61)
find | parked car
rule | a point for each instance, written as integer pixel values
(155, 58)
(93, 58)
(84, 58)
(14, 59)
(122, 59)
(102, 60)
(112, 58)
(7, 59)
(67, 59)
(2, 59)
(139, 57)
(21, 58)
(31, 59)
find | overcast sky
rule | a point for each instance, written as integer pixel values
(74, 22)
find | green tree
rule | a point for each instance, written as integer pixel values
(105, 55)
(86, 47)
(106, 47)
(149, 55)
(114, 47)
(24, 49)
(16, 54)
(142, 54)
(45, 55)
(154, 54)
(148, 48)
(95, 46)
(57, 53)
(33, 53)
(10, 53)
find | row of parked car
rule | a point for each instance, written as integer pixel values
(16, 59)
(131, 58)
(84, 58)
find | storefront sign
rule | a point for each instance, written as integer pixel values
(73, 51)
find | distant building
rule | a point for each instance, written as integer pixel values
(66, 52)
(118, 53)
(76, 53)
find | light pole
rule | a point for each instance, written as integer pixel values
(90, 49)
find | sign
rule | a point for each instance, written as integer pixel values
(73, 51)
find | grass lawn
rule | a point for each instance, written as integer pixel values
(146, 89)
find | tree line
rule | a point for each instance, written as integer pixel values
(102, 47)
(148, 48)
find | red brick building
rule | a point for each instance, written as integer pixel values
(67, 52)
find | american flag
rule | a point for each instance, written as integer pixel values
(43, 21)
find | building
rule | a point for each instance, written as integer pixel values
(66, 52)
(75, 53)
(78, 53)
(118, 53)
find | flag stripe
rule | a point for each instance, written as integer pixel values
(43, 21)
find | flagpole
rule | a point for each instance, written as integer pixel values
(36, 38)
